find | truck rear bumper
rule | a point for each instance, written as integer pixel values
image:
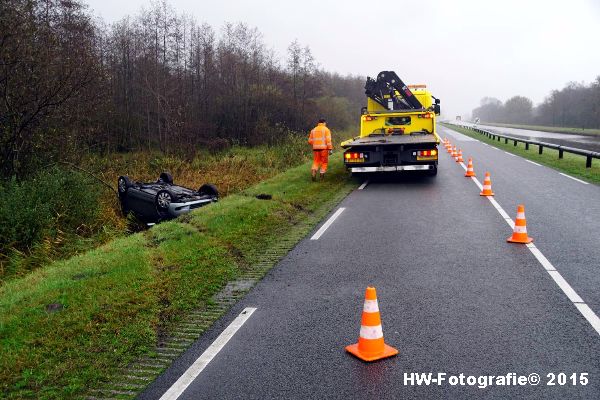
(392, 168)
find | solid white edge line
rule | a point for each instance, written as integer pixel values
(589, 315)
(364, 185)
(534, 163)
(540, 257)
(194, 370)
(326, 225)
(463, 165)
(575, 179)
(567, 289)
(564, 285)
(510, 154)
(479, 185)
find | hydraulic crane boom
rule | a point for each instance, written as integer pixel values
(391, 93)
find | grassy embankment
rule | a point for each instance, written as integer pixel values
(63, 212)
(543, 128)
(571, 164)
(74, 323)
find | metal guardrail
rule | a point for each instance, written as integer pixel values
(561, 149)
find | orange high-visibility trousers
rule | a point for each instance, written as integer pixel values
(320, 159)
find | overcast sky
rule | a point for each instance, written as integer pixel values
(462, 49)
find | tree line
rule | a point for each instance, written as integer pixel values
(159, 80)
(576, 105)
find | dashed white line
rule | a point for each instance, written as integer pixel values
(583, 308)
(534, 163)
(327, 224)
(194, 370)
(485, 144)
(364, 185)
(575, 179)
(510, 154)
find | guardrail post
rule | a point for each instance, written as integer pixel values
(560, 153)
(541, 149)
(588, 162)
(505, 140)
(526, 146)
(515, 143)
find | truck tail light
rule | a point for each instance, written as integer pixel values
(426, 153)
(426, 115)
(356, 156)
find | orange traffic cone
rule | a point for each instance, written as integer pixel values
(470, 171)
(520, 230)
(370, 346)
(454, 153)
(487, 186)
(459, 157)
(449, 148)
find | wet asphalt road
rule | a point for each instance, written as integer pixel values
(454, 296)
(586, 142)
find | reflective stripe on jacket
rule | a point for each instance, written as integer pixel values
(320, 138)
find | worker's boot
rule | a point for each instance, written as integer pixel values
(314, 175)
(322, 175)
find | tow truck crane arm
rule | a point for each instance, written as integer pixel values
(391, 93)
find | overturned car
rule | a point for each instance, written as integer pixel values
(161, 200)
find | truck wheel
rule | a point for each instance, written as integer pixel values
(432, 172)
(208, 189)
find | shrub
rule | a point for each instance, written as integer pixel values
(53, 203)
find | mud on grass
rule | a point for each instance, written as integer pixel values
(118, 300)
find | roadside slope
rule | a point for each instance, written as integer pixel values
(77, 323)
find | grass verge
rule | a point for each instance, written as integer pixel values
(76, 323)
(554, 129)
(571, 164)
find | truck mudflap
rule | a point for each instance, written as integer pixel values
(392, 168)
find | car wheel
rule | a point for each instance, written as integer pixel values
(166, 177)
(123, 184)
(163, 200)
(208, 189)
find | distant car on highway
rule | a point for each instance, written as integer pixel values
(162, 200)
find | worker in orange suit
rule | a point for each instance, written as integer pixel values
(320, 140)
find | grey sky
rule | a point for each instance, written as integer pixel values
(462, 49)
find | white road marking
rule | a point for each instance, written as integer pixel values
(485, 144)
(540, 257)
(463, 165)
(326, 225)
(575, 179)
(567, 289)
(194, 370)
(589, 315)
(364, 185)
(477, 183)
(564, 285)
(510, 154)
(495, 148)
(534, 163)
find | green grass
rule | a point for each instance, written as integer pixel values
(555, 129)
(571, 164)
(118, 300)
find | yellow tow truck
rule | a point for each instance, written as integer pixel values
(397, 129)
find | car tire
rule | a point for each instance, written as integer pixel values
(166, 177)
(163, 199)
(208, 189)
(123, 184)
